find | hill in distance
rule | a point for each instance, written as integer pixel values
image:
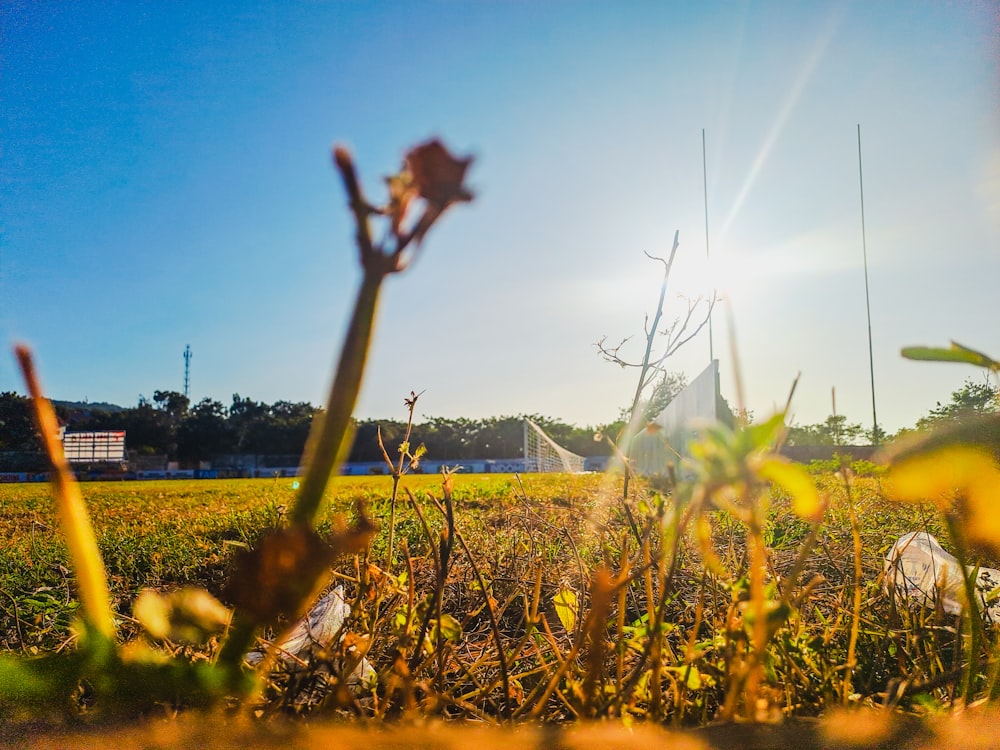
(91, 406)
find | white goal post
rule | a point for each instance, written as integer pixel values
(543, 454)
(691, 409)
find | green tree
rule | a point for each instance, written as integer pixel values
(973, 398)
(971, 413)
(447, 438)
(173, 403)
(147, 429)
(174, 406)
(876, 436)
(246, 417)
(365, 447)
(17, 426)
(664, 391)
(836, 430)
(499, 437)
(205, 433)
(287, 427)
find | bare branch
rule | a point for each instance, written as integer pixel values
(610, 354)
(657, 257)
(704, 321)
(676, 334)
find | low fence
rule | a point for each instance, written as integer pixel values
(23, 476)
(268, 467)
(805, 453)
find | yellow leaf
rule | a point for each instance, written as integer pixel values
(188, 615)
(938, 475)
(153, 613)
(806, 500)
(983, 498)
(693, 678)
(566, 608)
(950, 472)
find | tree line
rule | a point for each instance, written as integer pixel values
(974, 397)
(169, 425)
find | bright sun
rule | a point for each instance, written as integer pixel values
(728, 274)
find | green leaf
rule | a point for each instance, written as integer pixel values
(797, 482)
(693, 678)
(42, 680)
(956, 353)
(566, 608)
(451, 629)
(765, 434)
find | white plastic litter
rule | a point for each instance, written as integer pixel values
(317, 630)
(918, 569)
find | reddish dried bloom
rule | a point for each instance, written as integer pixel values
(277, 576)
(437, 175)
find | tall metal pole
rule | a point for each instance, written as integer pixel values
(704, 176)
(868, 307)
(836, 422)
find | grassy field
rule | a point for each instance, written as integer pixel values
(169, 533)
(665, 644)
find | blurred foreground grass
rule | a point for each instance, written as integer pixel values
(533, 539)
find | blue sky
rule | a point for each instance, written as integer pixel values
(166, 181)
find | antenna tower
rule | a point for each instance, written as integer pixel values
(187, 369)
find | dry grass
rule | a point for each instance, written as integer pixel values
(528, 542)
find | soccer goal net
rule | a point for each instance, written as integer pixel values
(542, 453)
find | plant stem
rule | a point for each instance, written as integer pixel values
(634, 417)
(73, 516)
(758, 568)
(326, 447)
(852, 659)
(327, 440)
(971, 610)
(238, 640)
(397, 473)
(494, 625)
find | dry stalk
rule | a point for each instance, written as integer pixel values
(73, 516)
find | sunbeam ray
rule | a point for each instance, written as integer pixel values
(805, 74)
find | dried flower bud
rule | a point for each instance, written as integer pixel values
(342, 157)
(437, 174)
(276, 576)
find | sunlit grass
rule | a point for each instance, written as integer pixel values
(168, 533)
